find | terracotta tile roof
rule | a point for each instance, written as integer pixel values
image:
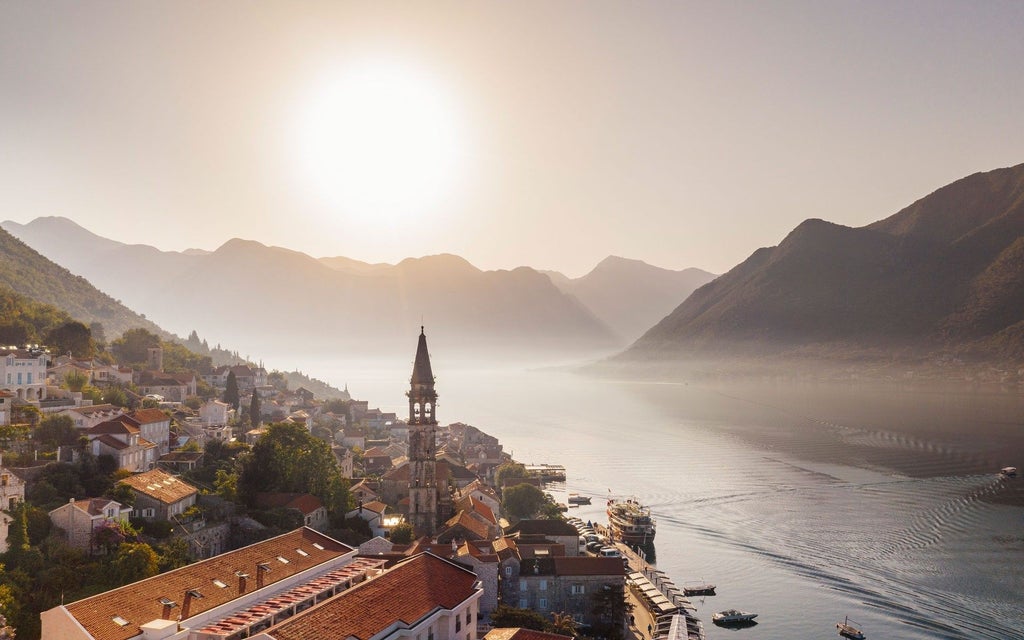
(120, 424)
(96, 408)
(374, 451)
(302, 502)
(138, 603)
(182, 456)
(160, 485)
(375, 506)
(147, 416)
(113, 443)
(544, 528)
(470, 524)
(95, 506)
(408, 592)
(518, 633)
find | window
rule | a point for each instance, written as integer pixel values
(30, 377)
(469, 616)
(577, 588)
(543, 603)
(522, 603)
(522, 585)
(508, 570)
(458, 623)
(543, 585)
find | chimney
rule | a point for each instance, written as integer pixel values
(187, 604)
(241, 581)
(261, 568)
(168, 605)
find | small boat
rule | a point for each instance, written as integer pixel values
(575, 498)
(847, 630)
(699, 590)
(733, 616)
(1009, 472)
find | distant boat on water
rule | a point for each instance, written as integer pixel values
(847, 630)
(575, 498)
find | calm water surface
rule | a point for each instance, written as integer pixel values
(803, 504)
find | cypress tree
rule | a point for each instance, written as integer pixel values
(231, 392)
(254, 410)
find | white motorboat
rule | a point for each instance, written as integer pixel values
(732, 616)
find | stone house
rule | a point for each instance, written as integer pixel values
(564, 584)
(121, 439)
(557, 531)
(160, 496)
(79, 519)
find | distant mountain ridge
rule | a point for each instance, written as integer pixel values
(945, 275)
(631, 295)
(27, 272)
(255, 294)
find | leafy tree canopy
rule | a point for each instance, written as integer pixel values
(522, 501)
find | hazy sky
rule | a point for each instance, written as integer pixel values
(543, 133)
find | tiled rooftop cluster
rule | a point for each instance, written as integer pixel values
(260, 616)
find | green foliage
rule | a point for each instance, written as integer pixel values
(38, 524)
(133, 346)
(288, 458)
(231, 391)
(174, 554)
(124, 494)
(402, 533)
(133, 561)
(508, 473)
(178, 358)
(76, 380)
(610, 606)
(31, 275)
(254, 410)
(56, 430)
(71, 337)
(506, 616)
(116, 396)
(17, 537)
(522, 501)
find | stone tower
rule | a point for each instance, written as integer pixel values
(423, 485)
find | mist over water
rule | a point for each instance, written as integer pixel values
(803, 503)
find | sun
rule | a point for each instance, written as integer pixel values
(379, 139)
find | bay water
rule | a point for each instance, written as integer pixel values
(803, 503)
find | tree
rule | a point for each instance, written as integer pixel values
(75, 380)
(506, 616)
(134, 561)
(174, 554)
(133, 346)
(522, 501)
(402, 533)
(610, 607)
(508, 473)
(17, 536)
(288, 458)
(72, 337)
(254, 410)
(231, 392)
(562, 624)
(115, 396)
(55, 430)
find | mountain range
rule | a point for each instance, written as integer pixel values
(281, 299)
(942, 278)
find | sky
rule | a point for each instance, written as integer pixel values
(548, 134)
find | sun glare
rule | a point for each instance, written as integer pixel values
(379, 139)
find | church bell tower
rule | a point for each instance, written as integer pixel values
(423, 486)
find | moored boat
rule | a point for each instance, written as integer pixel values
(703, 589)
(630, 521)
(575, 498)
(847, 630)
(733, 616)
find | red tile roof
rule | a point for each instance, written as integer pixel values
(160, 485)
(303, 502)
(147, 416)
(408, 592)
(138, 603)
(120, 424)
(518, 633)
(469, 524)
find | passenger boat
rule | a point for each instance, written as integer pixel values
(733, 616)
(630, 521)
(703, 589)
(847, 630)
(575, 498)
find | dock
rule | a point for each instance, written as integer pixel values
(668, 612)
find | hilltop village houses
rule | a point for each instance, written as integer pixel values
(463, 561)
